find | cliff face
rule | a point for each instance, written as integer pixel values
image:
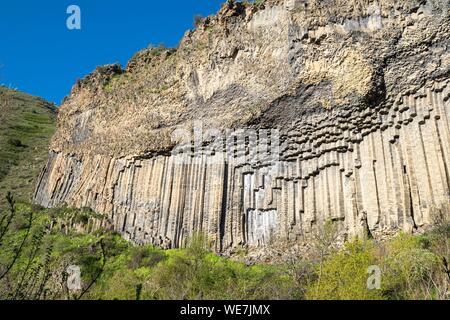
(266, 122)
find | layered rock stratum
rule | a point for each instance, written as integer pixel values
(266, 122)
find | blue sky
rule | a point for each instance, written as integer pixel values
(41, 56)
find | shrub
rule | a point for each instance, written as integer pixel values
(344, 275)
(409, 268)
(413, 267)
(114, 244)
(119, 286)
(145, 257)
(16, 143)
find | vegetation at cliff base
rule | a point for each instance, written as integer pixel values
(37, 246)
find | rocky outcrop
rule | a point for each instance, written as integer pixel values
(266, 122)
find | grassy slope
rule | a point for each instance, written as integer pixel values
(26, 126)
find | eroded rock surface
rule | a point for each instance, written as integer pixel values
(350, 101)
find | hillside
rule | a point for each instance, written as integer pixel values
(26, 126)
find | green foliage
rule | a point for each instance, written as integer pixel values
(250, 2)
(144, 257)
(116, 81)
(344, 275)
(412, 267)
(191, 273)
(26, 126)
(35, 253)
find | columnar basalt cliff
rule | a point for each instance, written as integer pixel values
(349, 99)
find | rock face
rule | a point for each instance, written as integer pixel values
(266, 122)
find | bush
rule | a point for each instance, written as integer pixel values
(410, 268)
(196, 274)
(344, 275)
(120, 286)
(145, 257)
(413, 267)
(16, 143)
(114, 244)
